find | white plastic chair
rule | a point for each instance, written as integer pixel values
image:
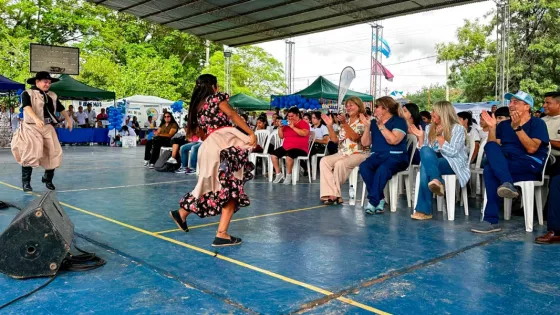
(394, 181)
(295, 168)
(530, 191)
(476, 170)
(449, 197)
(355, 173)
(263, 140)
(314, 162)
(274, 141)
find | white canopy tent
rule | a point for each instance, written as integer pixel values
(142, 106)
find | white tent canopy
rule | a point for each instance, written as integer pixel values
(143, 106)
(149, 100)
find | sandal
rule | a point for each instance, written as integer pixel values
(328, 202)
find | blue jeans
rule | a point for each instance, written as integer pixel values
(432, 167)
(194, 154)
(378, 169)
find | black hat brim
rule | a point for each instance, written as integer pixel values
(31, 81)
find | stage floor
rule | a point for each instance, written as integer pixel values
(297, 256)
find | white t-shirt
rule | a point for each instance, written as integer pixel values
(92, 116)
(481, 133)
(81, 117)
(553, 126)
(320, 132)
(14, 121)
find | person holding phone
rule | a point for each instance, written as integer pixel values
(295, 132)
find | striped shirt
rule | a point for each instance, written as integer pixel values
(454, 152)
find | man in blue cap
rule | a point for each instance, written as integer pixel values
(516, 151)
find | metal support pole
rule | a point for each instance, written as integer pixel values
(502, 49)
(207, 53)
(227, 59)
(289, 66)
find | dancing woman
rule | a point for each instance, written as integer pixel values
(224, 168)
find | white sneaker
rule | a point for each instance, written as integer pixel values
(288, 180)
(146, 162)
(279, 177)
(172, 160)
(151, 166)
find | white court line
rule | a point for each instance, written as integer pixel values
(125, 186)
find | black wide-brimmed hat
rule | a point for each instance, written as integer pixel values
(42, 75)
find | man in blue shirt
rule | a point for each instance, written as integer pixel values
(388, 150)
(516, 150)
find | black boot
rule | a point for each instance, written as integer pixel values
(26, 178)
(47, 179)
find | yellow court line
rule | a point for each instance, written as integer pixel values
(243, 219)
(219, 256)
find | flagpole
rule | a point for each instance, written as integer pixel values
(371, 64)
(381, 63)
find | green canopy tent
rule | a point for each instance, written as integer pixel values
(248, 103)
(69, 88)
(325, 89)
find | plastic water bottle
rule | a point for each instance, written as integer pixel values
(352, 195)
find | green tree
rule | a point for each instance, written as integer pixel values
(253, 72)
(534, 52)
(428, 95)
(118, 51)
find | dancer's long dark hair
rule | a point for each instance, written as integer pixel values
(205, 85)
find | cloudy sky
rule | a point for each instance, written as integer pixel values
(412, 39)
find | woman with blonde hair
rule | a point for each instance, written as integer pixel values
(442, 152)
(336, 168)
(387, 137)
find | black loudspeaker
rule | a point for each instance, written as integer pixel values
(37, 239)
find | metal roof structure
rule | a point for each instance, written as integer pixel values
(245, 22)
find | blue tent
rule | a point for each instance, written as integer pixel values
(7, 85)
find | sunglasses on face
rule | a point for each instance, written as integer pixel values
(167, 116)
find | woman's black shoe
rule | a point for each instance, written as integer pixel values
(177, 218)
(221, 242)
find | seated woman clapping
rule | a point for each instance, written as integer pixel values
(336, 168)
(442, 152)
(386, 135)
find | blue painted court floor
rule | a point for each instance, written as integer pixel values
(297, 256)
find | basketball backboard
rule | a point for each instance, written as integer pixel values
(54, 59)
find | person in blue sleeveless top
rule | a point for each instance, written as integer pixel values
(516, 151)
(388, 150)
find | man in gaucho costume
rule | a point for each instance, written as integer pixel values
(35, 142)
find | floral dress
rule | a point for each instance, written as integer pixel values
(224, 165)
